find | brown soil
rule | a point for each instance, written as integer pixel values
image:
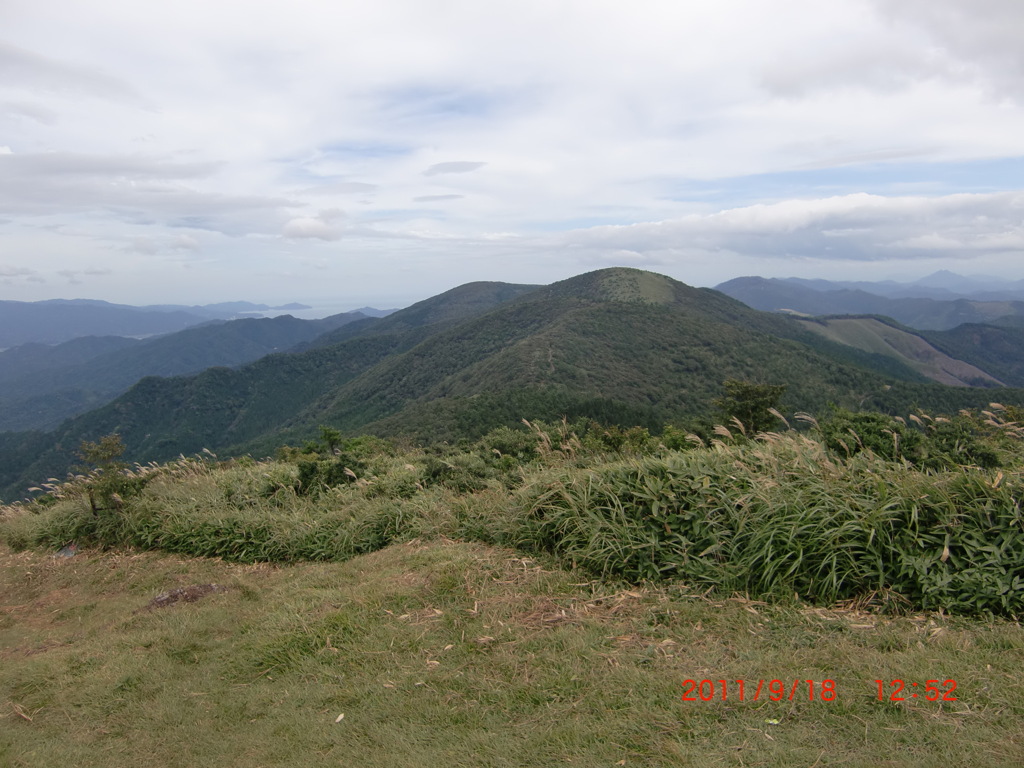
(188, 594)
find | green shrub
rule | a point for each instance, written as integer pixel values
(956, 441)
(937, 443)
(507, 448)
(783, 518)
(252, 484)
(751, 404)
(846, 434)
(109, 480)
(613, 439)
(317, 475)
(463, 473)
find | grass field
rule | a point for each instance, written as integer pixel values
(540, 598)
(437, 652)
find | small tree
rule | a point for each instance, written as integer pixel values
(329, 443)
(332, 438)
(750, 403)
(106, 453)
(107, 482)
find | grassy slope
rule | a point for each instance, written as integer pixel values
(998, 350)
(464, 655)
(872, 334)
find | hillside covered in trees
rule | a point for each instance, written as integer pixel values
(622, 346)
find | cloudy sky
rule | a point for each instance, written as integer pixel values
(350, 152)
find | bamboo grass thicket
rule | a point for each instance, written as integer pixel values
(784, 516)
(771, 515)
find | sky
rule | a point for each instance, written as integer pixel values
(345, 153)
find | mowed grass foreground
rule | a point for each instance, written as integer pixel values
(437, 652)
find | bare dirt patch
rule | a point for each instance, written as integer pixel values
(189, 594)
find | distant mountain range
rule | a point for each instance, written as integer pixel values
(961, 331)
(928, 305)
(942, 285)
(620, 345)
(42, 385)
(59, 320)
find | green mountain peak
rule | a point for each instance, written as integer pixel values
(621, 284)
(627, 284)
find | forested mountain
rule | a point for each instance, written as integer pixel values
(162, 417)
(461, 303)
(625, 345)
(778, 295)
(41, 385)
(33, 358)
(621, 345)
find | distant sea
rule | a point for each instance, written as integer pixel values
(315, 312)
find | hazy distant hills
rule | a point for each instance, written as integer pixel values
(621, 345)
(969, 330)
(53, 322)
(59, 320)
(42, 385)
(943, 285)
(915, 305)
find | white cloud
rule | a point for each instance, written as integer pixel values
(24, 166)
(316, 228)
(8, 271)
(979, 39)
(455, 166)
(31, 71)
(857, 227)
(19, 110)
(144, 245)
(436, 198)
(749, 130)
(184, 243)
(131, 188)
(340, 188)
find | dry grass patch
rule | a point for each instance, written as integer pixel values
(467, 655)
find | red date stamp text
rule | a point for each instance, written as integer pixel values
(812, 690)
(772, 690)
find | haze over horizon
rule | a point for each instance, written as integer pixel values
(380, 154)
